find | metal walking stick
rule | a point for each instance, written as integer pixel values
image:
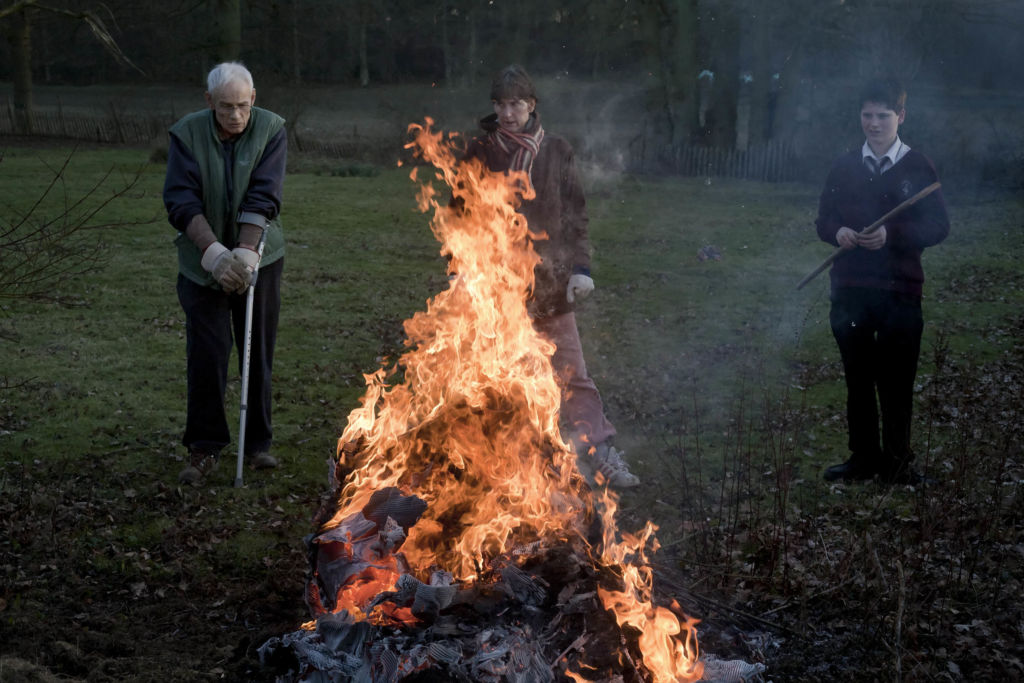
(244, 407)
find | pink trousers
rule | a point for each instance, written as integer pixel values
(582, 409)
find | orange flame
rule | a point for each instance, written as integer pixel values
(473, 428)
(470, 422)
(668, 658)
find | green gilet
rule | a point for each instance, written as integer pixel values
(198, 132)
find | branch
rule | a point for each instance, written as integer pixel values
(95, 24)
(39, 253)
(16, 7)
(57, 175)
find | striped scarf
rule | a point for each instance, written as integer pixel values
(522, 147)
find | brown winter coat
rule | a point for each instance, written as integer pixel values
(558, 209)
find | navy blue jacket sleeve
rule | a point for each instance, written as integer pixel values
(183, 186)
(266, 184)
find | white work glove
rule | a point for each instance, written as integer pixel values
(579, 286)
(250, 258)
(229, 272)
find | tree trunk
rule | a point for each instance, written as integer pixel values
(674, 26)
(761, 87)
(228, 26)
(721, 118)
(20, 37)
(446, 50)
(472, 50)
(787, 102)
(519, 23)
(364, 59)
(296, 45)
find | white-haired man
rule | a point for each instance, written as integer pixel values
(225, 174)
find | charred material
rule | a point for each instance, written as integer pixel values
(533, 615)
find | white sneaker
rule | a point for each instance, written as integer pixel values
(607, 460)
(614, 468)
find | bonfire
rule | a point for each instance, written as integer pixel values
(460, 541)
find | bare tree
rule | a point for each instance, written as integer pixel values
(227, 21)
(19, 35)
(54, 240)
(723, 35)
(20, 15)
(672, 27)
(365, 14)
(458, 32)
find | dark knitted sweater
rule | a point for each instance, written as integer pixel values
(855, 197)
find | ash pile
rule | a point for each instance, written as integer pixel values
(533, 617)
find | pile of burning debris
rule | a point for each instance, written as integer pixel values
(534, 617)
(460, 541)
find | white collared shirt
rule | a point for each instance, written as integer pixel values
(887, 160)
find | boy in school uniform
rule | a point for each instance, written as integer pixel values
(876, 284)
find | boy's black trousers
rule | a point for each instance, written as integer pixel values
(879, 338)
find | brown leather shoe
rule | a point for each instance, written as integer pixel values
(263, 461)
(199, 466)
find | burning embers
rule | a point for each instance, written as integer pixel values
(533, 614)
(461, 542)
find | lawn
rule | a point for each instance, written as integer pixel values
(721, 378)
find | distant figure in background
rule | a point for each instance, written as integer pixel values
(514, 140)
(876, 285)
(225, 174)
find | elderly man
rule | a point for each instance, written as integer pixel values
(225, 172)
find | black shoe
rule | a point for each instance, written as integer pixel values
(851, 470)
(905, 475)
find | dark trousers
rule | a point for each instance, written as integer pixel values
(879, 338)
(213, 320)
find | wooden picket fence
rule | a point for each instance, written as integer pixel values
(774, 161)
(114, 126)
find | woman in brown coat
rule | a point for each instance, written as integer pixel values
(514, 140)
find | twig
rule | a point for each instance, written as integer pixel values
(574, 645)
(629, 658)
(725, 608)
(907, 203)
(128, 448)
(876, 561)
(830, 589)
(824, 546)
(901, 601)
(16, 7)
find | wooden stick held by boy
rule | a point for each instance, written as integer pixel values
(871, 228)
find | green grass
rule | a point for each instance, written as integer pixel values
(663, 332)
(717, 374)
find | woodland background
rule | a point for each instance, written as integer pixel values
(665, 75)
